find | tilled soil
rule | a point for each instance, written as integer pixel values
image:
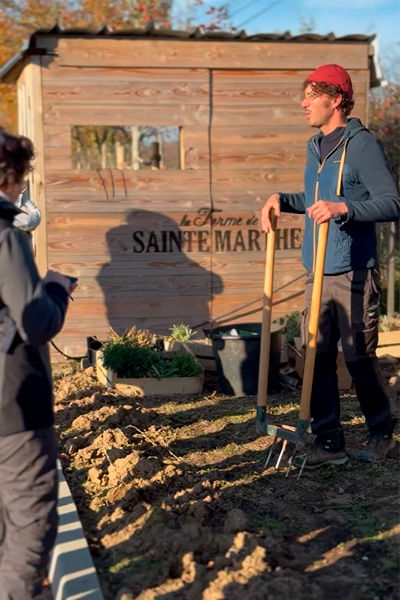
(176, 504)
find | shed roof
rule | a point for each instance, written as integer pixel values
(11, 69)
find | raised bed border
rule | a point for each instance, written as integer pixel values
(389, 343)
(202, 350)
(71, 570)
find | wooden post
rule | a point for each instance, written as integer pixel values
(103, 150)
(181, 149)
(155, 155)
(119, 155)
(34, 121)
(160, 150)
(135, 147)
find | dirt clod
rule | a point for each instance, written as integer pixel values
(235, 521)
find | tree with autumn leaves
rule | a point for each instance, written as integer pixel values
(384, 122)
(20, 18)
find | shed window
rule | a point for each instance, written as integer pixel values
(127, 147)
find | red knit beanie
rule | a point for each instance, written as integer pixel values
(335, 75)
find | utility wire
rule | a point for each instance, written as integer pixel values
(259, 13)
(243, 7)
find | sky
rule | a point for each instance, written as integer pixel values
(342, 17)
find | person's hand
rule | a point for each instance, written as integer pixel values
(272, 204)
(56, 277)
(323, 210)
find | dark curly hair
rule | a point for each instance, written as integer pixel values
(320, 87)
(16, 154)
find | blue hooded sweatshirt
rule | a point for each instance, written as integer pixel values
(354, 172)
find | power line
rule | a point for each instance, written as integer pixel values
(259, 13)
(238, 10)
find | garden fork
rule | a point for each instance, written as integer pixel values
(286, 432)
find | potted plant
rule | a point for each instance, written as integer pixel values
(179, 334)
(201, 348)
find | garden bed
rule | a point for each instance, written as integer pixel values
(176, 504)
(135, 363)
(148, 386)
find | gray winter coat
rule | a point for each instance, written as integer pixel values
(31, 313)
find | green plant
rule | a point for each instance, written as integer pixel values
(363, 522)
(127, 358)
(272, 525)
(180, 364)
(184, 365)
(292, 326)
(384, 323)
(389, 323)
(180, 333)
(133, 564)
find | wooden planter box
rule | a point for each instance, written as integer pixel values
(344, 378)
(202, 350)
(150, 386)
(389, 343)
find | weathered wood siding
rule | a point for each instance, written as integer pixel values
(30, 123)
(243, 137)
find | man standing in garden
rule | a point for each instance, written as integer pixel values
(348, 182)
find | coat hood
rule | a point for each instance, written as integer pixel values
(8, 210)
(353, 128)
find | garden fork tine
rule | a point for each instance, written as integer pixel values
(270, 452)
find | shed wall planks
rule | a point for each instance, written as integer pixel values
(144, 53)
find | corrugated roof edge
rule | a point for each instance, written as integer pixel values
(198, 33)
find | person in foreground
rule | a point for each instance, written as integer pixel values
(348, 182)
(32, 311)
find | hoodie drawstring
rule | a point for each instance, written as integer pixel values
(341, 166)
(338, 192)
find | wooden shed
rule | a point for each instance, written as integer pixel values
(155, 152)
